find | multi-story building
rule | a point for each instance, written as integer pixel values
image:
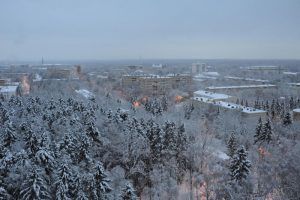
(58, 71)
(4, 81)
(198, 68)
(262, 71)
(155, 85)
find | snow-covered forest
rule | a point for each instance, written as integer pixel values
(60, 143)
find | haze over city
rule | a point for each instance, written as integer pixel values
(133, 29)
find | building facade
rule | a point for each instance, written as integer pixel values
(155, 85)
(198, 68)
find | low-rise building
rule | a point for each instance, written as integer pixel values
(85, 93)
(245, 112)
(296, 114)
(264, 68)
(246, 79)
(4, 81)
(8, 91)
(240, 87)
(206, 76)
(211, 95)
(294, 85)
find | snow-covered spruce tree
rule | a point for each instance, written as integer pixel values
(258, 131)
(180, 152)
(278, 107)
(82, 196)
(79, 186)
(188, 109)
(82, 152)
(246, 104)
(164, 103)
(128, 192)
(239, 165)
(181, 140)
(61, 192)
(169, 137)
(68, 144)
(263, 134)
(287, 120)
(31, 142)
(267, 132)
(292, 103)
(4, 194)
(155, 139)
(231, 145)
(93, 132)
(45, 156)
(34, 187)
(9, 134)
(156, 107)
(63, 180)
(4, 115)
(256, 104)
(100, 183)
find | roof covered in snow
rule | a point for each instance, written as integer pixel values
(145, 76)
(267, 67)
(211, 95)
(202, 77)
(297, 110)
(211, 73)
(228, 105)
(294, 84)
(246, 79)
(290, 73)
(8, 89)
(240, 87)
(87, 94)
(37, 77)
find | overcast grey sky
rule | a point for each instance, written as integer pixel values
(129, 29)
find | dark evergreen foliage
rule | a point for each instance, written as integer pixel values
(128, 193)
(240, 165)
(287, 120)
(231, 145)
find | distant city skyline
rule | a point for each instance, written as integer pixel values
(134, 29)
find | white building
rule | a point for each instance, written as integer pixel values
(8, 91)
(211, 95)
(241, 87)
(294, 85)
(85, 93)
(246, 79)
(245, 112)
